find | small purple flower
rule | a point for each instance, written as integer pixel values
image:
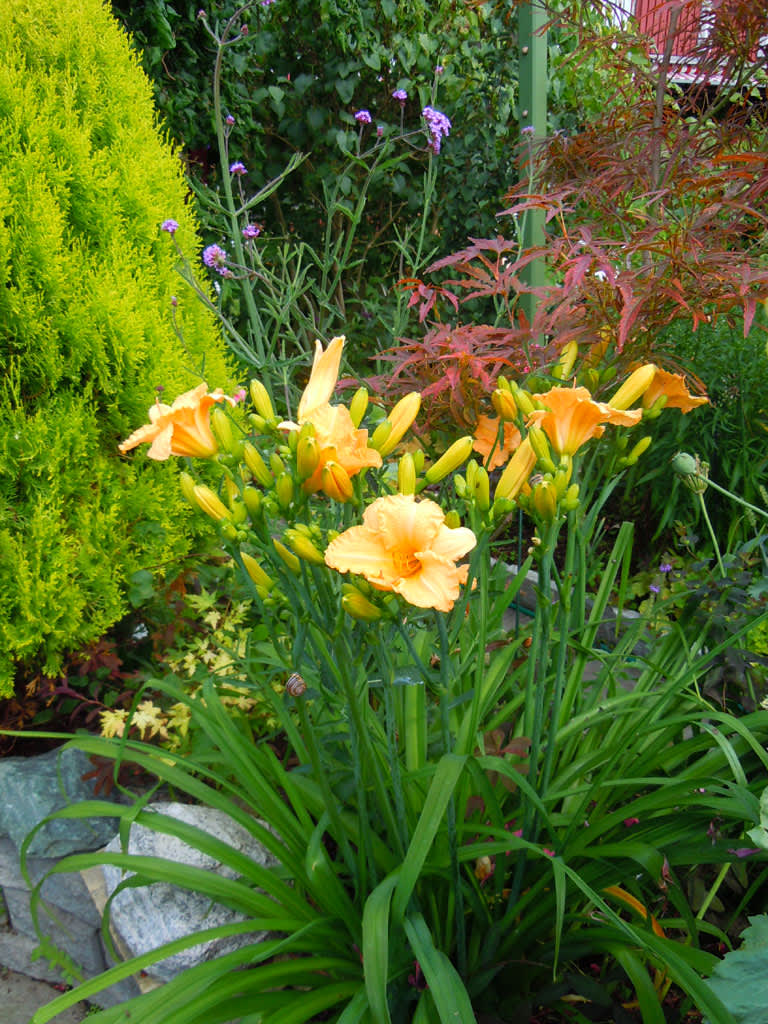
(170, 225)
(237, 168)
(528, 130)
(215, 258)
(439, 69)
(400, 95)
(438, 125)
(654, 589)
(266, 3)
(251, 231)
(363, 117)
(379, 131)
(243, 30)
(665, 567)
(229, 120)
(201, 13)
(174, 301)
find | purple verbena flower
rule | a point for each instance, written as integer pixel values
(363, 117)
(400, 95)
(438, 125)
(215, 258)
(237, 167)
(251, 231)
(170, 225)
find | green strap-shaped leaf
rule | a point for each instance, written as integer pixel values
(450, 997)
(446, 776)
(376, 947)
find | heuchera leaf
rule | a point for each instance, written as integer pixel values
(740, 980)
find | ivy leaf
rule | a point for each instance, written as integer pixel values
(740, 980)
(759, 835)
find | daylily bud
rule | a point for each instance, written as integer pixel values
(284, 490)
(517, 471)
(303, 547)
(239, 513)
(563, 477)
(452, 519)
(590, 379)
(307, 457)
(359, 607)
(380, 435)
(187, 484)
(482, 490)
(634, 387)
(233, 491)
(276, 464)
(229, 531)
(257, 574)
(544, 499)
(504, 404)
(258, 422)
(287, 556)
(209, 502)
(222, 428)
(358, 406)
(656, 408)
(401, 417)
(540, 445)
(252, 500)
(418, 460)
(642, 446)
(262, 403)
(406, 474)
(460, 486)
(522, 398)
(502, 383)
(449, 461)
(470, 473)
(256, 465)
(571, 499)
(566, 361)
(335, 482)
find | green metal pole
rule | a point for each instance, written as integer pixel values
(533, 126)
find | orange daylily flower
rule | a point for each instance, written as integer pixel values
(572, 417)
(487, 441)
(404, 546)
(322, 379)
(183, 428)
(674, 387)
(338, 440)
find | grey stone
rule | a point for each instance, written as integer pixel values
(31, 788)
(147, 917)
(62, 928)
(67, 891)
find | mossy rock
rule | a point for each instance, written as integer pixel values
(86, 331)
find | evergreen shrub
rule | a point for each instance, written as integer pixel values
(86, 332)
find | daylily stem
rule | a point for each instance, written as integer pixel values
(712, 535)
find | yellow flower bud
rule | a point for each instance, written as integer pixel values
(359, 607)
(229, 531)
(358, 406)
(302, 546)
(252, 500)
(566, 362)
(449, 461)
(276, 464)
(288, 557)
(209, 502)
(482, 490)
(223, 429)
(522, 398)
(452, 519)
(256, 573)
(563, 477)
(634, 387)
(540, 445)
(544, 499)
(380, 435)
(335, 482)
(262, 403)
(418, 460)
(284, 490)
(401, 418)
(642, 446)
(516, 472)
(239, 513)
(307, 456)
(470, 474)
(571, 499)
(187, 484)
(258, 422)
(406, 474)
(504, 404)
(502, 383)
(256, 465)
